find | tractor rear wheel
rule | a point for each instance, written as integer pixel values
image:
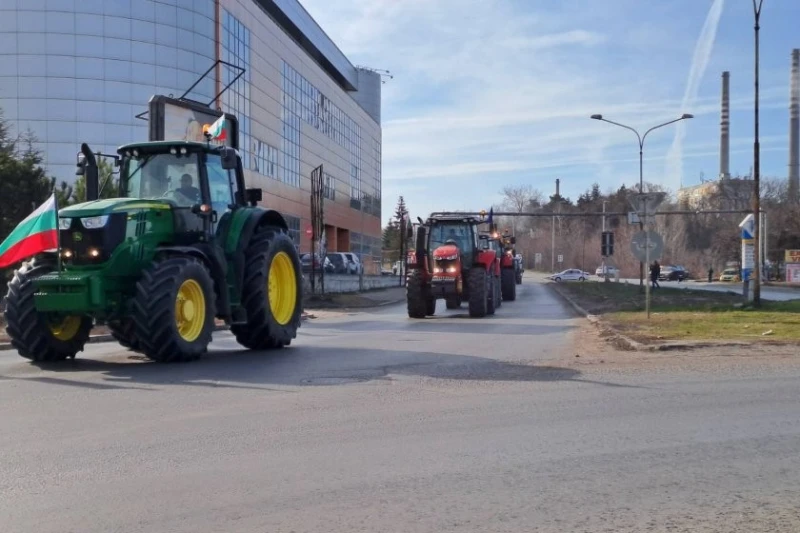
(272, 292)
(478, 281)
(124, 333)
(491, 292)
(173, 310)
(41, 337)
(498, 292)
(416, 296)
(508, 285)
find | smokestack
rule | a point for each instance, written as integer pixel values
(794, 128)
(558, 188)
(725, 129)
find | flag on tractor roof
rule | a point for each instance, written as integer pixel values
(217, 129)
(36, 234)
(491, 216)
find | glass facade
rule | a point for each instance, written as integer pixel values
(79, 71)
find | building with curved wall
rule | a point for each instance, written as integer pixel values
(75, 71)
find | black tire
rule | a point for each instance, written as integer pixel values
(581, 279)
(154, 310)
(416, 295)
(124, 332)
(31, 332)
(508, 285)
(478, 292)
(264, 330)
(498, 292)
(431, 310)
(518, 277)
(491, 294)
(558, 280)
(453, 303)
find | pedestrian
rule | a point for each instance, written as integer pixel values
(655, 270)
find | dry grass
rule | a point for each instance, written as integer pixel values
(682, 314)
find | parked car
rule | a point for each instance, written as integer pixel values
(355, 263)
(730, 274)
(601, 271)
(571, 274)
(341, 265)
(305, 263)
(673, 273)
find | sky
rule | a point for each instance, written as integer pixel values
(494, 93)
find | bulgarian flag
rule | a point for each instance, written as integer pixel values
(217, 129)
(37, 233)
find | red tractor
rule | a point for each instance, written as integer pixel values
(453, 262)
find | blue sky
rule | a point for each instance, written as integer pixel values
(488, 93)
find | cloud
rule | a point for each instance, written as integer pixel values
(501, 90)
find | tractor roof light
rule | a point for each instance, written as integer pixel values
(173, 151)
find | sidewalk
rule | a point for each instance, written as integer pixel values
(355, 300)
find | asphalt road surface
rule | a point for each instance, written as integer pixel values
(372, 422)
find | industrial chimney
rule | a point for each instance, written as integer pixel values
(794, 128)
(725, 130)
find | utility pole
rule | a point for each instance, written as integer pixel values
(756, 170)
(553, 229)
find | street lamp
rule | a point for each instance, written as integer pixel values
(641, 139)
(756, 170)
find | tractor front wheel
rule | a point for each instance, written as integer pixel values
(507, 285)
(41, 337)
(174, 310)
(273, 292)
(478, 281)
(416, 296)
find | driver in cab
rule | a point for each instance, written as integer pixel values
(187, 190)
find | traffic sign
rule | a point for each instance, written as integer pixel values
(633, 218)
(638, 245)
(560, 258)
(646, 204)
(537, 258)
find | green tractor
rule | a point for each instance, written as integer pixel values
(184, 244)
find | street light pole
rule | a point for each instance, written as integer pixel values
(756, 170)
(641, 139)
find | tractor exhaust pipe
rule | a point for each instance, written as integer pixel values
(91, 173)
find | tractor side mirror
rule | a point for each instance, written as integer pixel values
(253, 196)
(227, 158)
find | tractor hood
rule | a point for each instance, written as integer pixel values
(111, 205)
(446, 252)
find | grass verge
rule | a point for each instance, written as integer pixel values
(686, 315)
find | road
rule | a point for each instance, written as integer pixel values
(373, 422)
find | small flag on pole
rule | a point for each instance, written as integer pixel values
(491, 216)
(36, 234)
(217, 130)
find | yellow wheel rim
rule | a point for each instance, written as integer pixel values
(66, 328)
(190, 310)
(282, 288)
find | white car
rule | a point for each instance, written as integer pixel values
(610, 270)
(571, 274)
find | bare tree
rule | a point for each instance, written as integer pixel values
(521, 199)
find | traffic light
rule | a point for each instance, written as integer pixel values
(607, 245)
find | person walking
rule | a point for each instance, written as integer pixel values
(655, 271)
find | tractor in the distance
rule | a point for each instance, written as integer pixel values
(451, 261)
(511, 265)
(184, 243)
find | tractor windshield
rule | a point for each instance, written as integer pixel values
(162, 176)
(460, 233)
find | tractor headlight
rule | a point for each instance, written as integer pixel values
(94, 222)
(64, 223)
(451, 270)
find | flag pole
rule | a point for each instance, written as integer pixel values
(58, 234)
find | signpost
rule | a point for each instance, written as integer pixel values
(537, 259)
(645, 205)
(747, 227)
(560, 259)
